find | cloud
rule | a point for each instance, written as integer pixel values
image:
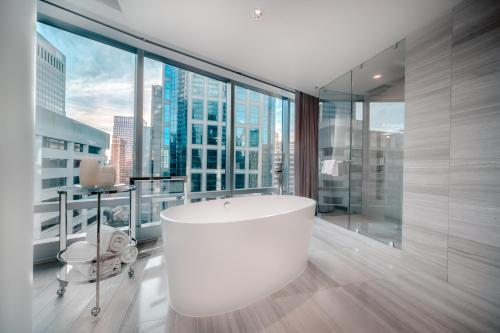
(96, 102)
(99, 78)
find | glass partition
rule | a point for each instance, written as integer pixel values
(371, 128)
(334, 151)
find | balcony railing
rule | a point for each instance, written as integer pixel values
(49, 207)
(46, 247)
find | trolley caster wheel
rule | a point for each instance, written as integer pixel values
(131, 272)
(61, 291)
(95, 311)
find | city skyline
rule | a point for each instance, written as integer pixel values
(100, 89)
(96, 90)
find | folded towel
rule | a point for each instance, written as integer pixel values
(334, 168)
(106, 267)
(324, 166)
(112, 239)
(330, 167)
(77, 273)
(84, 251)
(129, 254)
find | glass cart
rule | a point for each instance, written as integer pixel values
(64, 275)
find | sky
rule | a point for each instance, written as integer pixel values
(100, 79)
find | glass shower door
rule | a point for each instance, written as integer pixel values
(360, 148)
(378, 132)
(334, 151)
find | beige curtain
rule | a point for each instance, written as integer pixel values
(306, 145)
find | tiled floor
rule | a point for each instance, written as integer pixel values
(352, 284)
(384, 230)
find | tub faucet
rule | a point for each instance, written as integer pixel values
(227, 204)
(279, 173)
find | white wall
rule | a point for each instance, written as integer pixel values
(17, 100)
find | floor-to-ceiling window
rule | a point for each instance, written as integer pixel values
(184, 133)
(88, 106)
(84, 108)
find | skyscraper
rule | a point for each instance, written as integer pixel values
(122, 144)
(50, 76)
(157, 132)
(190, 126)
(194, 128)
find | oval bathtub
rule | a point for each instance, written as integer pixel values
(222, 255)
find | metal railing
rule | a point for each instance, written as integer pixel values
(49, 207)
(46, 247)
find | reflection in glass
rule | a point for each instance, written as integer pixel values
(240, 160)
(197, 109)
(196, 158)
(197, 133)
(213, 110)
(239, 181)
(212, 137)
(254, 137)
(211, 159)
(240, 137)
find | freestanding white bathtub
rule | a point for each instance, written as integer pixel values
(223, 255)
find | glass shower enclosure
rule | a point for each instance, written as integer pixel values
(361, 131)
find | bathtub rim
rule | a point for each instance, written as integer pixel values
(165, 219)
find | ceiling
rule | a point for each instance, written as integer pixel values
(389, 64)
(298, 44)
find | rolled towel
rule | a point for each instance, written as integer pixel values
(84, 251)
(129, 254)
(112, 239)
(107, 266)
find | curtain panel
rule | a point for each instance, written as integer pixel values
(306, 145)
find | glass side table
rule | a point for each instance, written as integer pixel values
(64, 275)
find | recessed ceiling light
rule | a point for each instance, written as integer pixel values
(377, 76)
(257, 13)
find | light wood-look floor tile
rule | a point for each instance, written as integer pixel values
(351, 284)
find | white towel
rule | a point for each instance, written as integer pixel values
(112, 239)
(334, 168)
(84, 251)
(324, 166)
(129, 254)
(330, 167)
